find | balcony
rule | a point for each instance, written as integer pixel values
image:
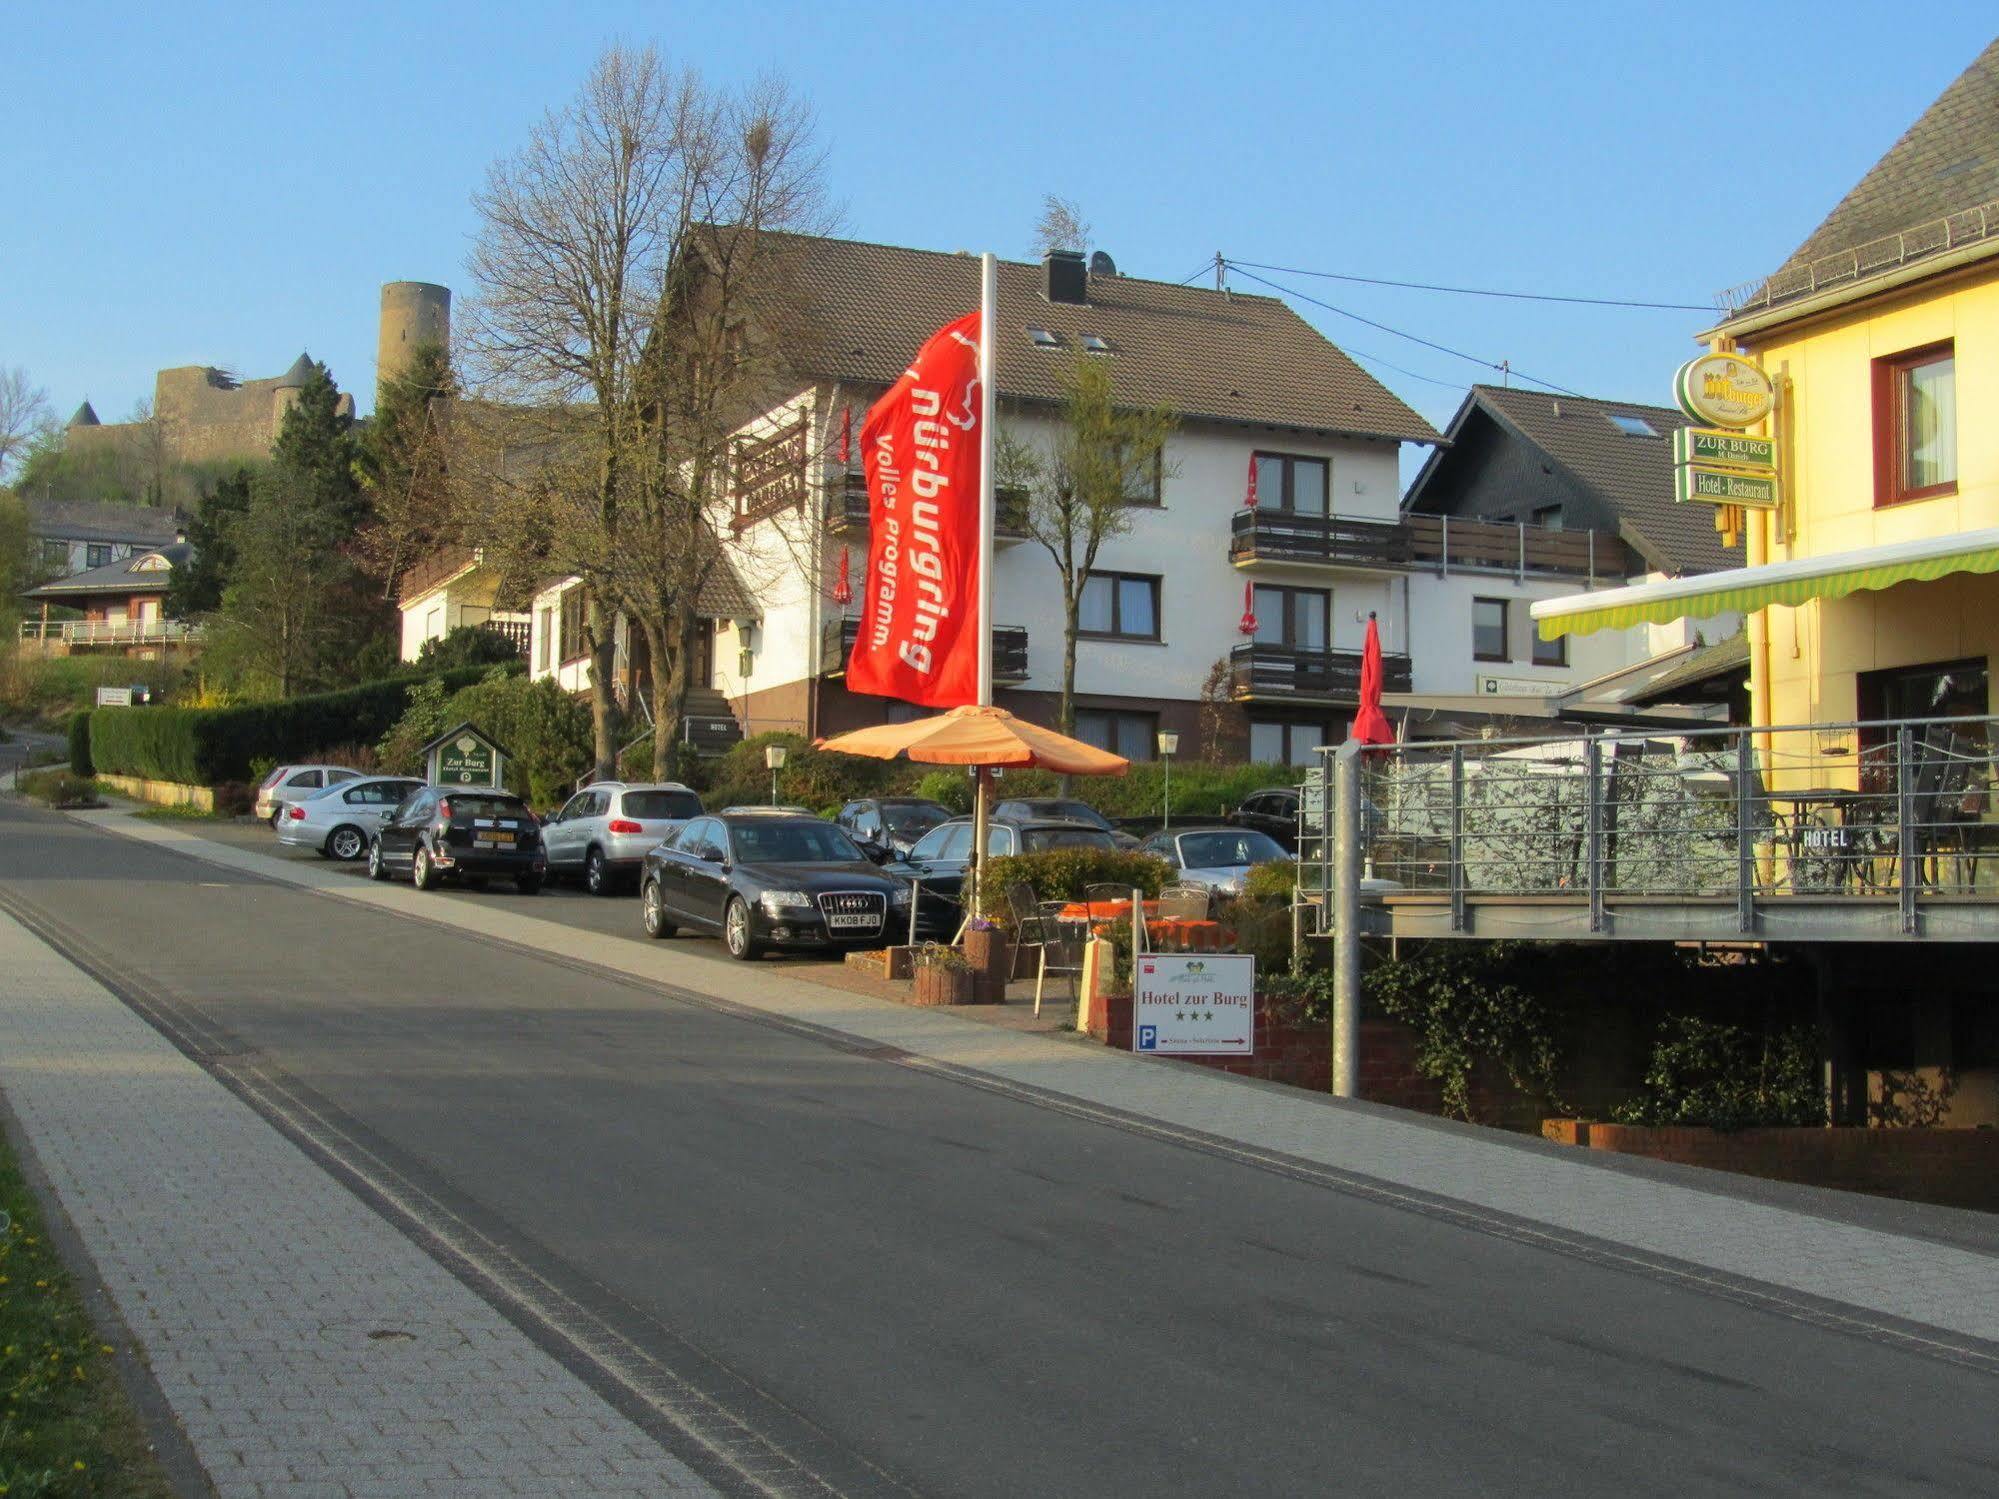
(1265, 673)
(846, 512)
(1272, 537)
(512, 628)
(836, 644)
(73, 634)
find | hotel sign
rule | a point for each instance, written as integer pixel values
(1695, 483)
(1715, 449)
(1723, 390)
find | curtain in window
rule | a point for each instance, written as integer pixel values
(1931, 396)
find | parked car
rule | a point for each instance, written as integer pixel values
(338, 820)
(603, 832)
(891, 822)
(767, 881)
(1273, 812)
(467, 834)
(1061, 809)
(1218, 858)
(762, 810)
(294, 783)
(942, 855)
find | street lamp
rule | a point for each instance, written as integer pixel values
(774, 757)
(1169, 742)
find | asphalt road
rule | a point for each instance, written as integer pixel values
(925, 1286)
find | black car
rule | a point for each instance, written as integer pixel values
(942, 855)
(1273, 811)
(1060, 809)
(459, 833)
(891, 822)
(770, 880)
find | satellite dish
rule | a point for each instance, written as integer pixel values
(1101, 264)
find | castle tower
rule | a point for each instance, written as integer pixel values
(413, 313)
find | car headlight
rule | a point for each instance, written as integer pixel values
(785, 900)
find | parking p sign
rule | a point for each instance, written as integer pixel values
(1194, 1005)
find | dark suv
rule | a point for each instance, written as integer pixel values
(1274, 812)
(459, 833)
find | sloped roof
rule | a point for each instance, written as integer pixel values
(1632, 476)
(85, 416)
(295, 377)
(1948, 160)
(857, 312)
(118, 577)
(1691, 679)
(100, 520)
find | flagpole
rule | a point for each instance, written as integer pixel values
(988, 390)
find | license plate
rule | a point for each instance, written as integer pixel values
(843, 921)
(493, 840)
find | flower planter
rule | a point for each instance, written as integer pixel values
(882, 962)
(938, 985)
(988, 953)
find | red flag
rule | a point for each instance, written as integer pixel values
(918, 637)
(1248, 622)
(1370, 724)
(843, 586)
(1249, 495)
(846, 450)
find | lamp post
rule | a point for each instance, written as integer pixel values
(774, 758)
(1169, 742)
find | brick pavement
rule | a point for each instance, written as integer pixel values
(1869, 1269)
(305, 1345)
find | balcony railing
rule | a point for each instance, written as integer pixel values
(1260, 672)
(74, 632)
(512, 629)
(846, 511)
(836, 644)
(1707, 834)
(1420, 541)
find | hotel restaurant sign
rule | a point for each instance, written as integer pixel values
(1717, 463)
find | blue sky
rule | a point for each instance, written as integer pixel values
(205, 184)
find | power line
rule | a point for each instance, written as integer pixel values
(1498, 367)
(1477, 291)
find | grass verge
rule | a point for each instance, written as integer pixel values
(58, 788)
(66, 1428)
(183, 814)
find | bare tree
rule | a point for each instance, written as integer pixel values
(1061, 226)
(24, 415)
(1082, 486)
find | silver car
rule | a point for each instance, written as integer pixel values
(1218, 858)
(294, 783)
(603, 832)
(337, 821)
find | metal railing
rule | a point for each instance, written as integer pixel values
(1901, 811)
(845, 509)
(108, 632)
(1260, 672)
(1968, 226)
(1431, 541)
(837, 637)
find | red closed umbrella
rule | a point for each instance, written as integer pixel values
(1370, 724)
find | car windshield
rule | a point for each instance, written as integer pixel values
(792, 843)
(483, 806)
(1070, 812)
(1040, 840)
(647, 805)
(1226, 847)
(912, 822)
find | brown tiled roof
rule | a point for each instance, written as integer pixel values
(1948, 160)
(857, 312)
(1631, 475)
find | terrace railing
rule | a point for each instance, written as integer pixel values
(1262, 672)
(1431, 541)
(74, 632)
(837, 637)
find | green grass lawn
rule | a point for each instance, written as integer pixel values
(182, 814)
(65, 1426)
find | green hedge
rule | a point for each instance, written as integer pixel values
(1063, 873)
(79, 744)
(207, 746)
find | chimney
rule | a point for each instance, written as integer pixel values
(1068, 281)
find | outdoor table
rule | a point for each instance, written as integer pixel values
(1177, 933)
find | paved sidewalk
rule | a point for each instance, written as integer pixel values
(1870, 1270)
(306, 1346)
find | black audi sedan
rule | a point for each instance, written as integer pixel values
(465, 834)
(767, 881)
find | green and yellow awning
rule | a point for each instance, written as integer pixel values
(1745, 589)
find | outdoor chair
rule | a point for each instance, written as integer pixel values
(1106, 904)
(1035, 926)
(1185, 903)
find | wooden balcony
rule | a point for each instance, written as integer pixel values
(1282, 537)
(846, 512)
(1262, 536)
(836, 644)
(1261, 673)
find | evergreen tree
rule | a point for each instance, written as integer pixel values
(195, 586)
(317, 453)
(403, 466)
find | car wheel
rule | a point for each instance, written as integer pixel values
(377, 869)
(421, 874)
(346, 845)
(736, 932)
(528, 884)
(596, 874)
(652, 910)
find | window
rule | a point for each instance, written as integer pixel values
(544, 640)
(1096, 343)
(1043, 339)
(1277, 743)
(1915, 425)
(1285, 481)
(1123, 606)
(1632, 426)
(1142, 479)
(97, 554)
(55, 554)
(1294, 617)
(572, 624)
(1551, 652)
(1488, 630)
(1549, 517)
(897, 711)
(1133, 735)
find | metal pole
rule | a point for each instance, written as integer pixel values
(773, 785)
(1905, 816)
(1593, 824)
(1745, 833)
(1346, 920)
(915, 895)
(981, 810)
(1457, 870)
(1166, 796)
(988, 392)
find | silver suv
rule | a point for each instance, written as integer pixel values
(602, 833)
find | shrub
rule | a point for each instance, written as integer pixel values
(46, 690)
(467, 645)
(79, 744)
(1728, 1077)
(546, 732)
(948, 788)
(1062, 873)
(811, 777)
(58, 788)
(1274, 881)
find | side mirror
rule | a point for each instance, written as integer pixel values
(711, 854)
(388, 814)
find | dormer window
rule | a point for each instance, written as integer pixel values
(1632, 426)
(1096, 343)
(1043, 339)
